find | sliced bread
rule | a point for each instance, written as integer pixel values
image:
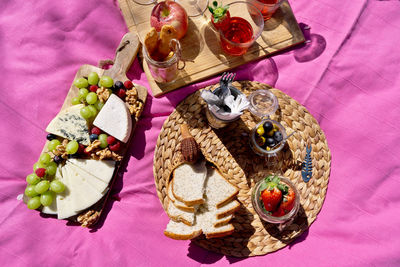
(181, 231)
(188, 183)
(213, 216)
(228, 209)
(178, 215)
(219, 191)
(177, 203)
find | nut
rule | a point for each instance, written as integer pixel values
(103, 94)
(88, 218)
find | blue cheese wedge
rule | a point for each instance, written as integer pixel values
(115, 119)
(101, 169)
(71, 125)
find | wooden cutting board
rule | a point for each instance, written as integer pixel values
(124, 57)
(201, 44)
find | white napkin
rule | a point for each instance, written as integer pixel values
(216, 104)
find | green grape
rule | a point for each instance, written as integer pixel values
(93, 78)
(72, 147)
(42, 186)
(103, 140)
(83, 92)
(53, 144)
(45, 158)
(57, 186)
(30, 191)
(75, 101)
(47, 198)
(51, 168)
(93, 110)
(91, 98)
(34, 203)
(32, 179)
(81, 83)
(99, 105)
(106, 81)
(86, 113)
(38, 165)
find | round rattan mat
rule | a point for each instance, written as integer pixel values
(228, 148)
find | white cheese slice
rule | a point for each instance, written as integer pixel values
(115, 119)
(97, 184)
(83, 194)
(101, 169)
(65, 199)
(71, 125)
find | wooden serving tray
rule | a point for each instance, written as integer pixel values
(201, 45)
(124, 57)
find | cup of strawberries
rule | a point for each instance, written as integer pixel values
(276, 200)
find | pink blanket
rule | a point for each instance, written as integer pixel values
(347, 77)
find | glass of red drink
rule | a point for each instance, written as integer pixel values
(266, 7)
(246, 24)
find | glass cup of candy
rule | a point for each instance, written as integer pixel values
(165, 70)
(272, 210)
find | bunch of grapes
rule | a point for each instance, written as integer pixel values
(42, 186)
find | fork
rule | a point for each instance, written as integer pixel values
(226, 79)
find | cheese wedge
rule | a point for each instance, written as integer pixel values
(83, 194)
(71, 125)
(65, 199)
(101, 169)
(115, 119)
(99, 185)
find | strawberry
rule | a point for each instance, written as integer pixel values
(287, 202)
(220, 16)
(271, 193)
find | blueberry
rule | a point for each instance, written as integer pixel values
(269, 141)
(118, 85)
(51, 137)
(93, 137)
(268, 126)
(57, 159)
(278, 136)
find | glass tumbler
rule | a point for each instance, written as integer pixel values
(165, 71)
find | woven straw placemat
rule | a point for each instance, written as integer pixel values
(228, 148)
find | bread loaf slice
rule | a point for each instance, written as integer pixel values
(188, 183)
(219, 191)
(228, 209)
(178, 215)
(177, 203)
(213, 216)
(181, 231)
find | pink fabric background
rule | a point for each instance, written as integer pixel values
(347, 77)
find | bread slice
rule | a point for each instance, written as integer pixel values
(219, 191)
(228, 209)
(223, 221)
(179, 215)
(181, 231)
(212, 217)
(188, 183)
(177, 203)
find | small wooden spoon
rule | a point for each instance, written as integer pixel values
(189, 147)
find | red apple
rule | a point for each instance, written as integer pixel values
(169, 13)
